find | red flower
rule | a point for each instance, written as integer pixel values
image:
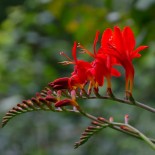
(121, 46)
(102, 65)
(117, 48)
(79, 75)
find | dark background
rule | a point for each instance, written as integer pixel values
(32, 33)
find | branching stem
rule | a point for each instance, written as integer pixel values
(122, 127)
(135, 103)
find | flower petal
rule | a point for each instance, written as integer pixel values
(106, 38)
(129, 39)
(95, 41)
(115, 72)
(118, 40)
(135, 53)
(74, 52)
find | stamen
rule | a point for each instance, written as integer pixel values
(66, 62)
(63, 54)
(85, 50)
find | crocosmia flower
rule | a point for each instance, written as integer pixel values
(101, 66)
(79, 76)
(117, 47)
(121, 45)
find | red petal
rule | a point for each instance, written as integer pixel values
(95, 41)
(129, 39)
(99, 74)
(115, 72)
(115, 61)
(106, 36)
(51, 99)
(74, 52)
(140, 48)
(74, 80)
(135, 53)
(118, 39)
(113, 53)
(100, 80)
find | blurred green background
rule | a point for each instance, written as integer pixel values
(32, 33)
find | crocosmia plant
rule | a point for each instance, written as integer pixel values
(116, 47)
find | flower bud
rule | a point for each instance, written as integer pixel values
(60, 83)
(126, 119)
(66, 102)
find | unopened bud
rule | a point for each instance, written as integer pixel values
(66, 102)
(83, 137)
(126, 119)
(60, 83)
(73, 94)
(123, 127)
(96, 123)
(101, 119)
(111, 119)
(92, 127)
(38, 95)
(86, 133)
(51, 99)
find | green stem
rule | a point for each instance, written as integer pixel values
(135, 103)
(146, 139)
(132, 132)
